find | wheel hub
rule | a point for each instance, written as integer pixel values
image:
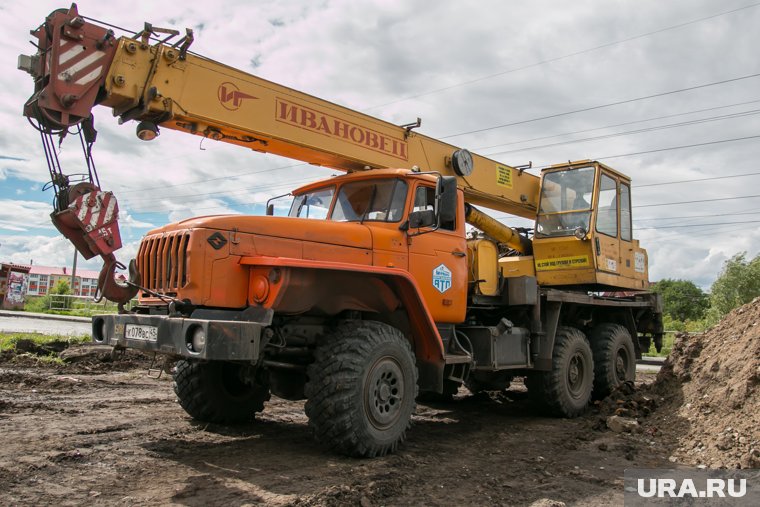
(621, 362)
(575, 373)
(384, 392)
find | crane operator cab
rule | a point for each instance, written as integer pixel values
(584, 231)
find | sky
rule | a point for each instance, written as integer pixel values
(665, 92)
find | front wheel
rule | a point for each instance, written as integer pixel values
(361, 389)
(218, 392)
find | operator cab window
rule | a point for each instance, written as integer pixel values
(565, 202)
(424, 199)
(372, 200)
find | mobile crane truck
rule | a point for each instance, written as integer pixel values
(370, 291)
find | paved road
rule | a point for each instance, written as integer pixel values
(14, 324)
(650, 364)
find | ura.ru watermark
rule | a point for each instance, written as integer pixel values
(692, 487)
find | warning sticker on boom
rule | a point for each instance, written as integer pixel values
(578, 261)
(504, 176)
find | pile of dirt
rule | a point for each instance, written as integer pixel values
(88, 358)
(710, 385)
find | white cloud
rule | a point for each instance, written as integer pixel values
(18, 215)
(365, 54)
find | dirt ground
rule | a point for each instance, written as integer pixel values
(105, 434)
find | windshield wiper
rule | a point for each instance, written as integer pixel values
(369, 205)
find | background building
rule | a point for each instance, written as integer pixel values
(43, 278)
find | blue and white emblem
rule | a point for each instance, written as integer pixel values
(442, 278)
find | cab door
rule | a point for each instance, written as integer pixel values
(438, 260)
(607, 231)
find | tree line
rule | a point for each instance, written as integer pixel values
(689, 308)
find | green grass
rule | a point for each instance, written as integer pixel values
(64, 306)
(9, 341)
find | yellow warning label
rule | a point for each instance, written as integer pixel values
(577, 261)
(504, 176)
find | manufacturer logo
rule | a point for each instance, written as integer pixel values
(231, 97)
(442, 278)
(217, 240)
(339, 128)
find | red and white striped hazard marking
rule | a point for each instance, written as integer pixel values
(100, 213)
(77, 65)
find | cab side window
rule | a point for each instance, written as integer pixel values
(424, 199)
(607, 215)
(625, 212)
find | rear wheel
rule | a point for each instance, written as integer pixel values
(361, 389)
(218, 392)
(614, 357)
(566, 390)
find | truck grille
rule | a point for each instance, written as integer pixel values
(161, 260)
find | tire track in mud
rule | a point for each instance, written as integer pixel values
(116, 438)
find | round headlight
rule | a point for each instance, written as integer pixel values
(198, 340)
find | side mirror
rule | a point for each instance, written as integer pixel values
(270, 210)
(422, 218)
(447, 194)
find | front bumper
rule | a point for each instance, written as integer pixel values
(225, 340)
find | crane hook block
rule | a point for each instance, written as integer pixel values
(90, 220)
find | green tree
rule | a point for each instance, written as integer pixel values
(682, 299)
(61, 288)
(738, 283)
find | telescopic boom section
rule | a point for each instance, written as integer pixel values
(81, 64)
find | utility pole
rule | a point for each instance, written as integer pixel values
(74, 273)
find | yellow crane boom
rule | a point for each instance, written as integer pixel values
(167, 86)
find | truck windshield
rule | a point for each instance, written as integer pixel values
(374, 200)
(315, 204)
(565, 202)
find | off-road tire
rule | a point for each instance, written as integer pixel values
(567, 388)
(361, 389)
(614, 357)
(213, 392)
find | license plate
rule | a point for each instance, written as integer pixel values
(138, 332)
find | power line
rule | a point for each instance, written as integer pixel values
(697, 201)
(616, 125)
(238, 175)
(562, 57)
(697, 180)
(707, 143)
(232, 192)
(740, 114)
(601, 106)
(266, 187)
(695, 225)
(697, 216)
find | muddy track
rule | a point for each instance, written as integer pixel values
(113, 437)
